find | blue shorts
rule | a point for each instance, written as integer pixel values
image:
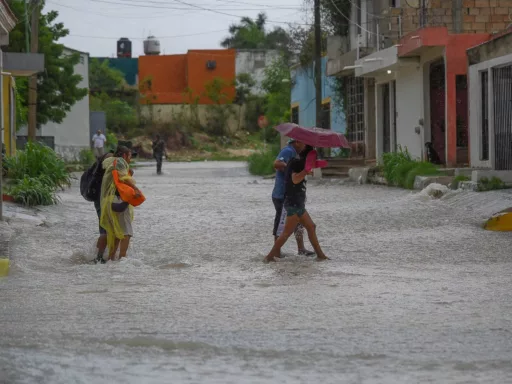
(292, 211)
(97, 205)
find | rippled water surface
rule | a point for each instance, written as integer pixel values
(416, 291)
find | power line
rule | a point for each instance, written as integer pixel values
(352, 22)
(117, 16)
(143, 38)
(235, 2)
(161, 6)
(202, 8)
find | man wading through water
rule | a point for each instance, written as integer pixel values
(278, 194)
(295, 206)
(158, 153)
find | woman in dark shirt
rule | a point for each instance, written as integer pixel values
(295, 206)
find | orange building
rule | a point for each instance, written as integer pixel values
(179, 79)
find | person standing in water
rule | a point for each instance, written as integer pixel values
(287, 154)
(295, 206)
(116, 215)
(101, 244)
(158, 153)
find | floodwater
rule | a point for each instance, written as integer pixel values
(416, 291)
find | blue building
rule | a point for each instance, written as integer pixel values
(303, 100)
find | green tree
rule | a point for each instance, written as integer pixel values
(58, 86)
(277, 84)
(252, 34)
(121, 117)
(103, 78)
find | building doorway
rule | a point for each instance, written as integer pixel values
(438, 108)
(386, 116)
(461, 111)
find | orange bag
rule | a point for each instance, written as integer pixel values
(127, 193)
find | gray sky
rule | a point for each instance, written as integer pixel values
(96, 25)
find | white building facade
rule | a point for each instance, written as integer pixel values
(254, 62)
(490, 121)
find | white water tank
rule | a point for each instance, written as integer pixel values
(151, 46)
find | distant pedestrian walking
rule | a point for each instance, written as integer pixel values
(99, 140)
(158, 153)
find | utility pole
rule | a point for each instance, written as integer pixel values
(423, 14)
(318, 65)
(32, 88)
(27, 29)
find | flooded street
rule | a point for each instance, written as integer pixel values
(416, 291)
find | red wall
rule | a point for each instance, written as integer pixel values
(457, 64)
(167, 79)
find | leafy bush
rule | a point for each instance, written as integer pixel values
(32, 191)
(490, 185)
(400, 169)
(38, 160)
(262, 163)
(394, 162)
(457, 180)
(420, 169)
(111, 142)
(86, 157)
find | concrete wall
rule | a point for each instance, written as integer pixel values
(73, 134)
(495, 48)
(303, 95)
(475, 110)
(168, 113)
(254, 62)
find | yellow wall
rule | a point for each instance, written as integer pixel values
(9, 131)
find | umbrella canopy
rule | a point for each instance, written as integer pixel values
(316, 137)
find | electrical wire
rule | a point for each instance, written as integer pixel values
(352, 22)
(143, 38)
(380, 17)
(154, 5)
(223, 1)
(103, 14)
(202, 8)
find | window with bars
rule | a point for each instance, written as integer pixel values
(355, 109)
(484, 82)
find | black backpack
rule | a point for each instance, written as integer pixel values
(90, 182)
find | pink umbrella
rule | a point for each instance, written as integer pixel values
(316, 137)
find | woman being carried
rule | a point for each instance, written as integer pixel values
(117, 215)
(295, 206)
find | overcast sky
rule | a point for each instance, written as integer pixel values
(96, 25)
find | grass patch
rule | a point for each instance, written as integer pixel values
(459, 179)
(492, 184)
(400, 169)
(262, 163)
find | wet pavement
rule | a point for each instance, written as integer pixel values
(416, 291)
